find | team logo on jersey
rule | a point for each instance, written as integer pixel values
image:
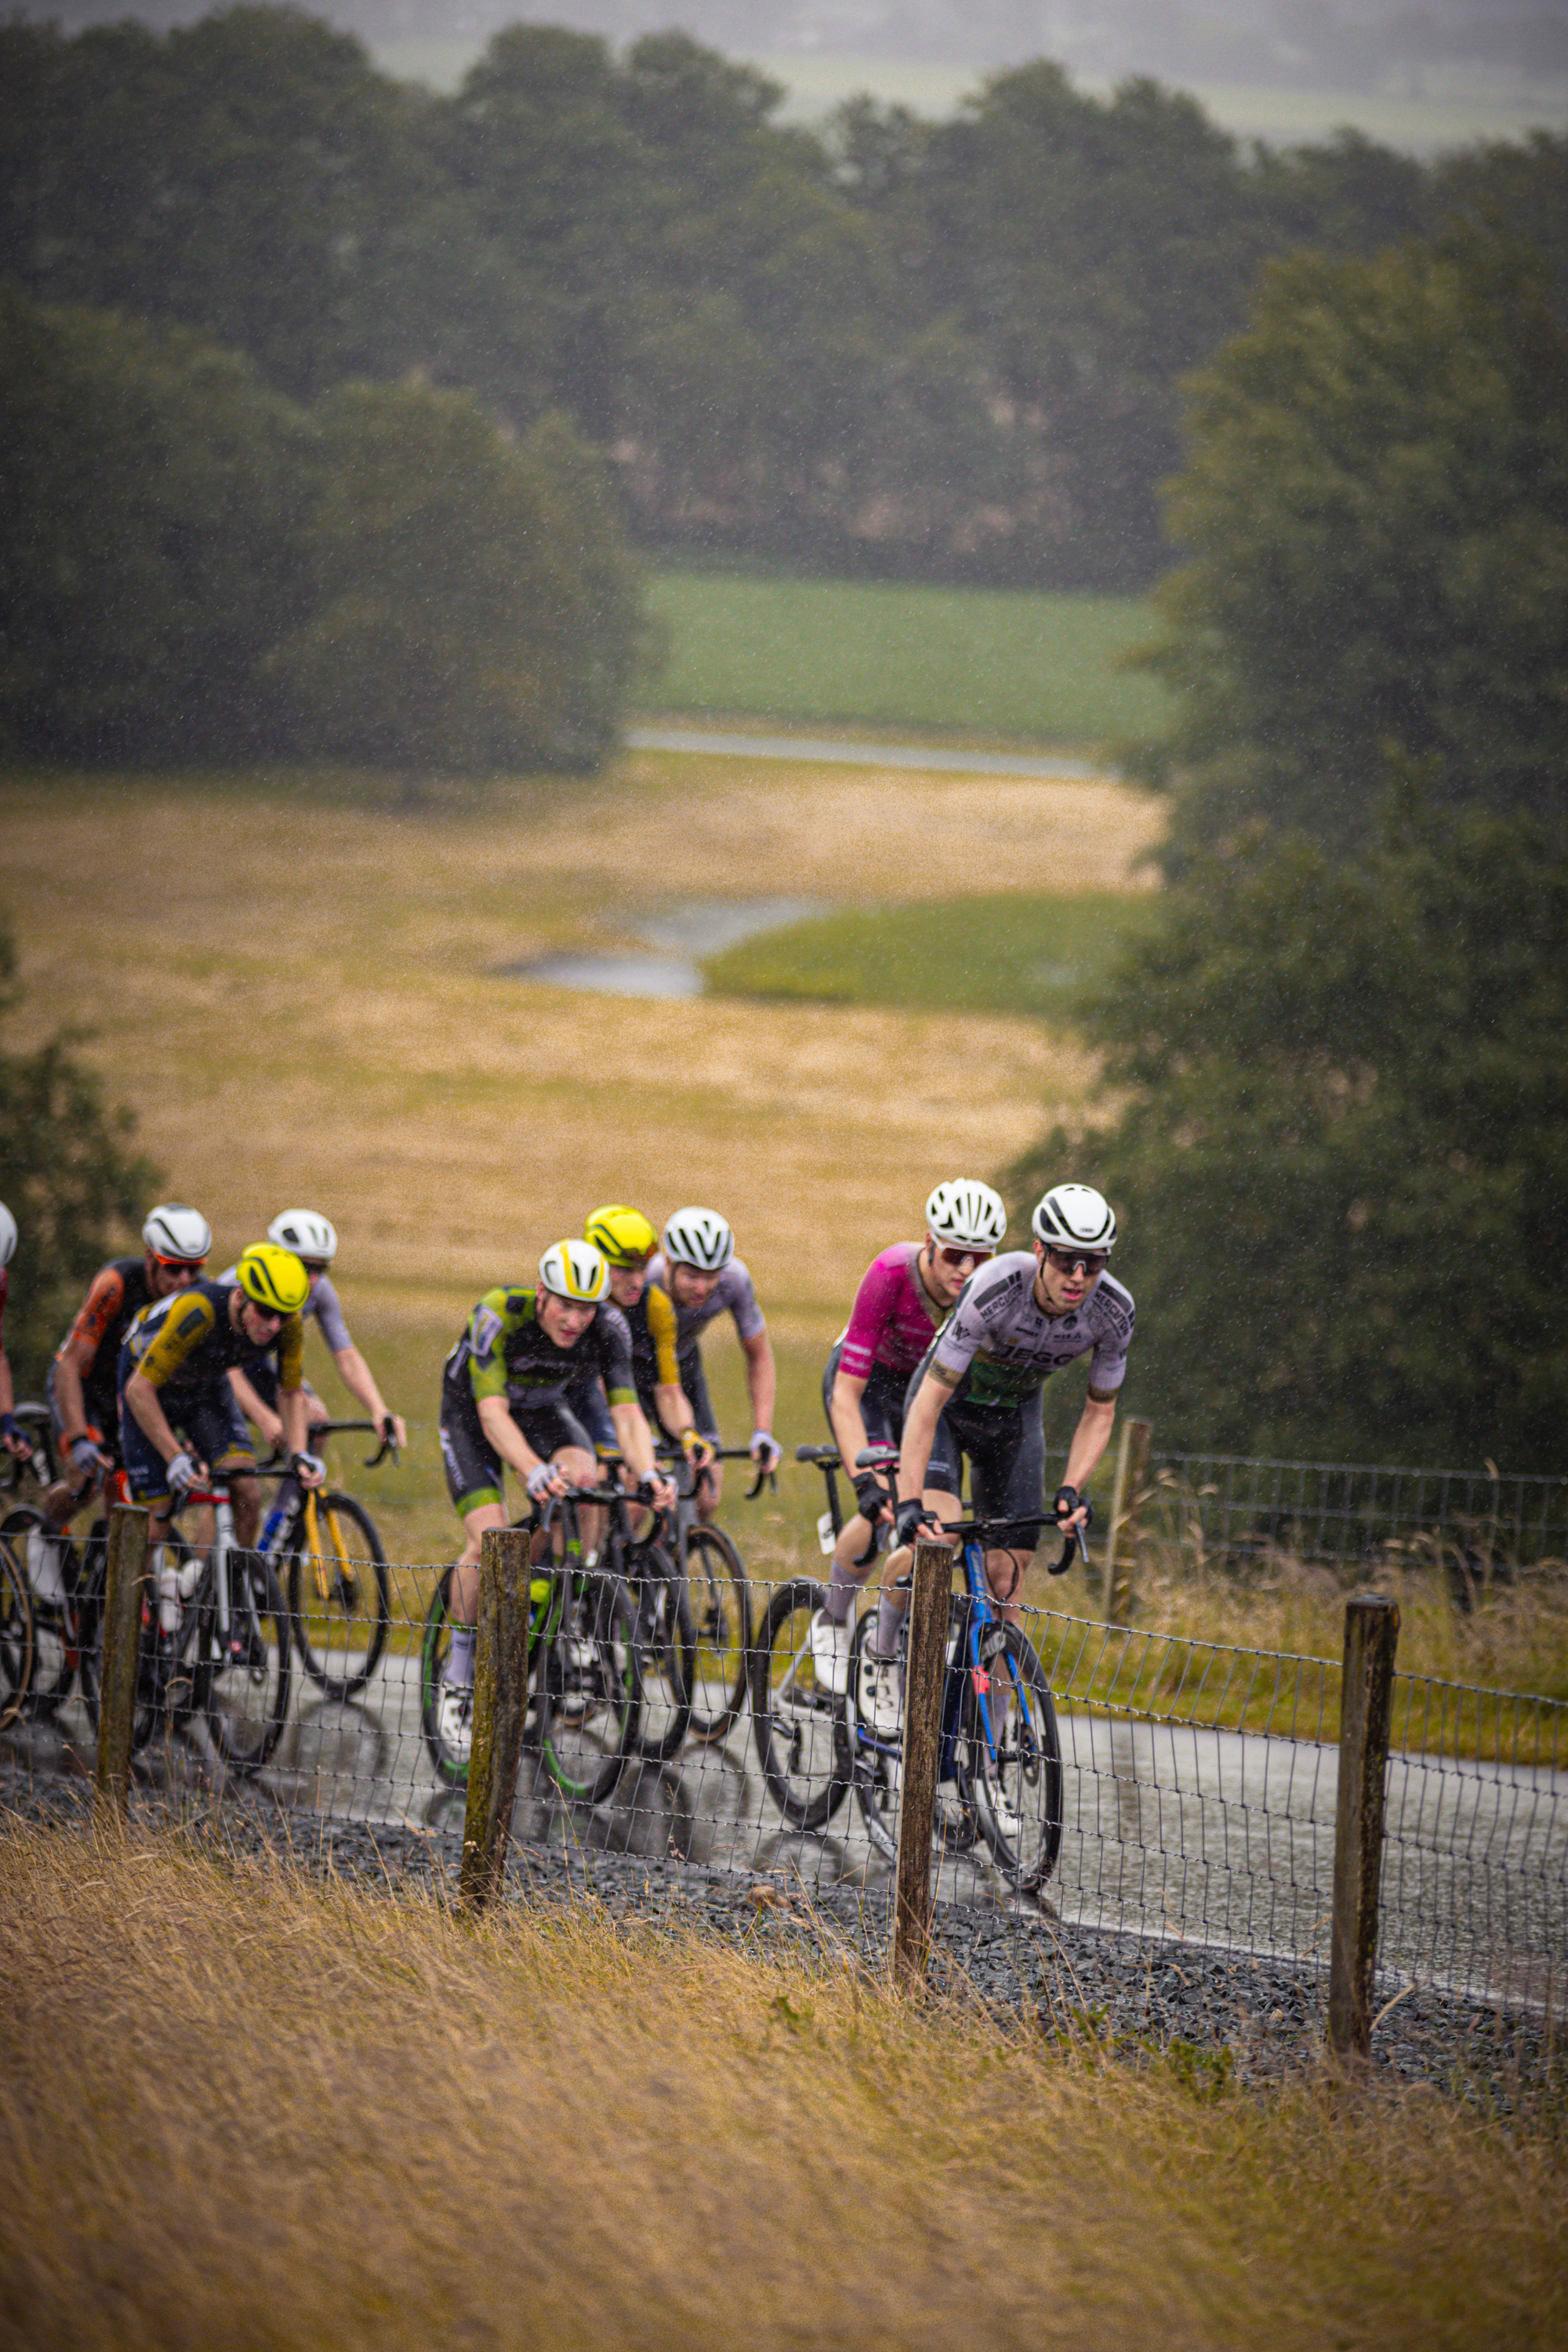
(486, 1330)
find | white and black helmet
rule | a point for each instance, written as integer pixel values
(1075, 1216)
(966, 1214)
(7, 1235)
(178, 1235)
(306, 1233)
(699, 1237)
(574, 1270)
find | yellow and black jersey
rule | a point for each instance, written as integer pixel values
(188, 1342)
(654, 1350)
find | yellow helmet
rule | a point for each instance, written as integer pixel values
(273, 1277)
(623, 1236)
(574, 1270)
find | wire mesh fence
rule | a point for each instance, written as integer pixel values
(1194, 1796)
(1223, 1511)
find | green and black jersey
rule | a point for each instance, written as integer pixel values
(505, 1352)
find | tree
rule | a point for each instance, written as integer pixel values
(473, 605)
(1341, 1165)
(1375, 507)
(69, 1178)
(152, 499)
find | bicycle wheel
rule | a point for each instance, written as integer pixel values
(667, 1650)
(16, 1631)
(337, 1604)
(1015, 1765)
(156, 1654)
(591, 1691)
(242, 1678)
(451, 1764)
(45, 1567)
(721, 1609)
(798, 1724)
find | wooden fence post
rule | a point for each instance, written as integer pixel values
(1126, 1510)
(500, 1704)
(1372, 1635)
(923, 1748)
(124, 1581)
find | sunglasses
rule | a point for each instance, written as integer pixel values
(179, 1265)
(266, 1314)
(957, 1258)
(1092, 1262)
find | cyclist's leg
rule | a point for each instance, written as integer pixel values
(882, 1411)
(1009, 1466)
(147, 1474)
(221, 1436)
(555, 1432)
(943, 1486)
(474, 1481)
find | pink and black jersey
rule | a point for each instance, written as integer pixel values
(892, 1319)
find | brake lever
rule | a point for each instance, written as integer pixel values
(763, 1478)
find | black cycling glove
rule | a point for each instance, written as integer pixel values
(1069, 1500)
(910, 1520)
(869, 1493)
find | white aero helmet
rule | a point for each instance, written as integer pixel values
(178, 1235)
(305, 1232)
(699, 1237)
(7, 1235)
(1076, 1217)
(574, 1270)
(967, 1214)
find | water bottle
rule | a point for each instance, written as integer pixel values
(275, 1518)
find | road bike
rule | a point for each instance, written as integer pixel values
(17, 1638)
(999, 1771)
(585, 1703)
(324, 1549)
(19, 1476)
(721, 1598)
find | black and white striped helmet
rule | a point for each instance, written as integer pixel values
(178, 1235)
(698, 1237)
(967, 1214)
(1075, 1216)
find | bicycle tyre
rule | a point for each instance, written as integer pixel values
(591, 1706)
(52, 1632)
(451, 1769)
(1030, 1770)
(721, 1609)
(149, 1699)
(244, 1689)
(362, 1608)
(800, 1739)
(667, 1650)
(16, 1653)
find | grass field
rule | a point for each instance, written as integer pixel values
(240, 2107)
(986, 662)
(1017, 951)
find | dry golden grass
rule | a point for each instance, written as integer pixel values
(240, 2108)
(299, 1000)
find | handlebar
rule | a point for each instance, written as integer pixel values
(370, 1429)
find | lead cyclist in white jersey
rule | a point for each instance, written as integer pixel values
(977, 1393)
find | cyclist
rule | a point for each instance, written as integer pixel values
(702, 1276)
(504, 1392)
(976, 1392)
(177, 1411)
(627, 1242)
(83, 1386)
(11, 1435)
(314, 1242)
(904, 1294)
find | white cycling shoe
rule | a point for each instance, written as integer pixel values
(455, 1719)
(830, 1653)
(877, 1701)
(1005, 1815)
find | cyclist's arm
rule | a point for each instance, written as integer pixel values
(762, 1378)
(73, 1361)
(147, 1411)
(503, 1433)
(294, 1406)
(254, 1407)
(931, 1401)
(637, 1443)
(1090, 1440)
(845, 1418)
(360, 1383)
(673, 1409)
(14, 1441)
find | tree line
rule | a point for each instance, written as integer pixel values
(953, 348)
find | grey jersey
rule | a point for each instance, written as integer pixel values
(734, 1290)
(1001, 1346)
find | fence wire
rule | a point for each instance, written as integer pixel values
(1197, 1796)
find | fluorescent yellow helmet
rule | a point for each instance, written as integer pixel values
(574, 1270)
(623, 1236)
(273, 1277)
